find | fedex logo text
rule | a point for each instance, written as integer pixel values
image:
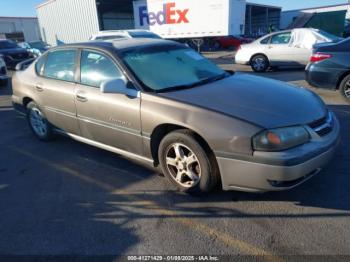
(169, 15)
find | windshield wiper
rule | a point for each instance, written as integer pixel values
(199, 83)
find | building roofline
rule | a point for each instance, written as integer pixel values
(262, 5)
(44, 3)
(19, 17)
(318, 7)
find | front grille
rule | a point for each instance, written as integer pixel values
(324, 125)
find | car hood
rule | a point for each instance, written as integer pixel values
(13, 51)
(261, 101)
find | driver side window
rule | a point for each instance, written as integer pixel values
(97, 68)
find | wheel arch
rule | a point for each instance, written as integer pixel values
(341, 78)
(26, 100)
(164, 129)
(258, 54)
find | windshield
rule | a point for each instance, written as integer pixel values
(7, 44)
(171, 67)
(144, 35)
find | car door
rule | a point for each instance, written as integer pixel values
(110, 119)
(279, 51)
(55, 85)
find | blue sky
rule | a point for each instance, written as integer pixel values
(27, 7)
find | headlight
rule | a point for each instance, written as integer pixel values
(281, 139)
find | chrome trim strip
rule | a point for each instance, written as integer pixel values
(107, 125)
(105, 147)
(62, 112)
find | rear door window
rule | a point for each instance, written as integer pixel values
(61, 65)
(281, 39)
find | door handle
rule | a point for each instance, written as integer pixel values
(81, 97)
(39, 88)
(270, 47)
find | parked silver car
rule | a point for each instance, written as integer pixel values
(285, 48)
(164, 104)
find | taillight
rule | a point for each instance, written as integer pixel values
(319, 57)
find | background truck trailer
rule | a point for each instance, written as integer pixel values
(69, 21)
(176, 19)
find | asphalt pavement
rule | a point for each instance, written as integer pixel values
(68, 198)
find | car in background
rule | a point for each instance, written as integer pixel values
(35, 48)
(198, 124)
(120, 34)
(12, 53)
(329, 67)
(284, 48)
(3, 73)
(230, 42)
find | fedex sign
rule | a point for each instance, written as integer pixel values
(169, 15)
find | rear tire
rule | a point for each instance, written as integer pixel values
(186, 164)
(344, 89)
(38, 123)
(259, 63)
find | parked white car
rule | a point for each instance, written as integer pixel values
(117, 34)
(284, 48)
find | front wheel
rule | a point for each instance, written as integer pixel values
(259, 63)
(345, 89)
(186, 164)
(38, 122)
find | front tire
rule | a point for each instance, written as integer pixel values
(38, 123)
(344, 89)
(259, 63)
(186, 164)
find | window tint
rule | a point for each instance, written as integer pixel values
(109, 37)
(39, 65)
(265, 41)
(96, 68)
(281, 39)
(61, 65)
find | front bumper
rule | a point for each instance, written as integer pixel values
(280, 170)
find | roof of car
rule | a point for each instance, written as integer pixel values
(120, 44)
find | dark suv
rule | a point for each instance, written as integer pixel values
(12, 53)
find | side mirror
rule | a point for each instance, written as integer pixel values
(118, 86)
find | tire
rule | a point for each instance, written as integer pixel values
(344, 89)
(197, 172)
(38, 123)
(259, 63)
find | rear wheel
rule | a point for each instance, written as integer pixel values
(186, 164)
(345, 88)
(259, 63)
(38, 122)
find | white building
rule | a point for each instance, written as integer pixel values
(287, 17)
(20, 28)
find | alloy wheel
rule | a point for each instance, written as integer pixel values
(183, 165)
(38, 122)
(259, 64)
(347, 90)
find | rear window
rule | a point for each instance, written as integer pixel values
(144, 35)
